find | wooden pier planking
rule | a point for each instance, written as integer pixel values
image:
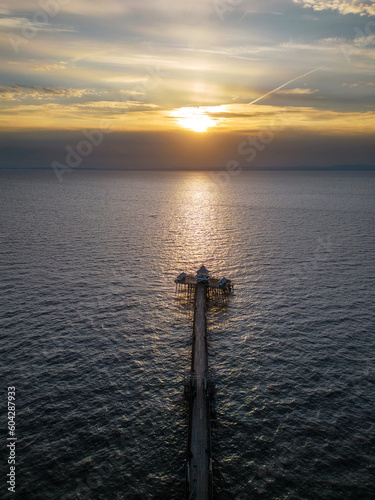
(200, 452)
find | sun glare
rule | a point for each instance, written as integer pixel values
(195, 119)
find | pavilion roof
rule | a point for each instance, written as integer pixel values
(203, 270)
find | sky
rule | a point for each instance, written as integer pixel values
(186, 84)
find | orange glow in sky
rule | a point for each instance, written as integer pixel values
(195, 119)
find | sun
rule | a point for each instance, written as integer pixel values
(196, 119)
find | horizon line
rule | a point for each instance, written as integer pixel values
(340, 167)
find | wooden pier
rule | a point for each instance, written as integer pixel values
(199, 388)
(200, 461)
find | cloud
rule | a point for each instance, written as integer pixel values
(87, 96)
(118, 106)
(50, 67)
(82, 7)
(17, 23)
(13, 22)
(17, 92)
(359, 84)
(297, 91)
(124, 79)
(361, 7)
(112, 9)
(183, 149)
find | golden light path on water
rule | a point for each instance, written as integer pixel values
(201, 230)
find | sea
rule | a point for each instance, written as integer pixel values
(96, 340)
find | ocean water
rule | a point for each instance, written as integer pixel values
(96, 340)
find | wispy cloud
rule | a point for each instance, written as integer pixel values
(297, 91)
(361, 7)
(50, 67)
(17, 24)
(17, 92)
(359, 84)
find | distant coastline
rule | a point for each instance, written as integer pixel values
(301, 168)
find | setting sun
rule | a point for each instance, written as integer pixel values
(196, 119)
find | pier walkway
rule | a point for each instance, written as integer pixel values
(200, 464)
(199, 386)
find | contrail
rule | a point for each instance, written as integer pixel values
(287, 83)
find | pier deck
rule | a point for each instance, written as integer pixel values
(200, 453)
(191, 280)
(199, 384)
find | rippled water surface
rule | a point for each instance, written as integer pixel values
(97, 342)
